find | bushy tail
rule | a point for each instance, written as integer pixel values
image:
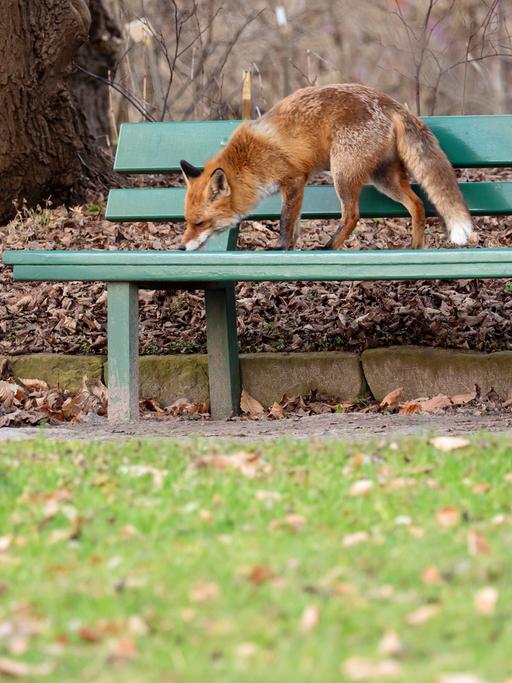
(424, 159)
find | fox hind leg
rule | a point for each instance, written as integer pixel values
(348, 191)
(391, 179)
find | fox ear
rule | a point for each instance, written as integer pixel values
(218, 185)
(189, 171)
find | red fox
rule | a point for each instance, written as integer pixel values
(360, 133)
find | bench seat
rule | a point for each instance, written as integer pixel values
(178, 267)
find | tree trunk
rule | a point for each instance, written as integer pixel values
(99, 56)
(45, 147)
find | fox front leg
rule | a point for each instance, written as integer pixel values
(292, 192)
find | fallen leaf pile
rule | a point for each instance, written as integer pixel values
(31, 401)
(272, 316)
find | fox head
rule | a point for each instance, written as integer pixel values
(208, 204)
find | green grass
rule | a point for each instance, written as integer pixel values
(194, 573)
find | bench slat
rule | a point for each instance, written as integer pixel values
(469, 141)
(320, 201)
(242, 259)
(281, 272)
(245, 259)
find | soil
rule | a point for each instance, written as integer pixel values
(351, 427)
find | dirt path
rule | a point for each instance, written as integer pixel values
(348, 427)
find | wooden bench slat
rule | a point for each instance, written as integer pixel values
(281, 272)
(320, 201)
(244, 259)
(469, 141)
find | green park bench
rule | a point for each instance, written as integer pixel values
(469, 141)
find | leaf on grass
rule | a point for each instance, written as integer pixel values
(355, 538)
(459, 678)
(250, 406)
(431, 576)
(363, 487)
(309, 619)
(483, 487)
(5, 542)
(11, 668)
(260, 574)
(294, 521)
(91, 634)
(423, 614)
(477, 544)
(122, 650)
(363, 669)
(391, 645)
(449, 443)
(246, 650)
(391, 399)
(250, 464)
(448, 517)
(485, 600)
(207, 591)
(137, 471)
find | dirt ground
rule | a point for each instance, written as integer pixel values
(346, 427)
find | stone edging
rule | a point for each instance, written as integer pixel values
(421, 371)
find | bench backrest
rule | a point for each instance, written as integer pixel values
(468, 141)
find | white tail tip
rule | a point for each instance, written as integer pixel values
(460, 232)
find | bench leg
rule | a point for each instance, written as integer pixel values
(123, 352)
(223, 361)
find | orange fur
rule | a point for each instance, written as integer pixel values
(359, 133)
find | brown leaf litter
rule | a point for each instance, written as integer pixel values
(293, 316)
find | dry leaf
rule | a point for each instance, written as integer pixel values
(204, 592)
(477, 544)
(34, 384)
(294, 521)
(462, 399)
(459, 678)
(248, 463)
(435, 403)
(250, 406)
(484, 487)
(122, 649)
(448, 517)
(449, 443)
(431, 576)
(391, 399)
(485, 600)
(246, 650)
(423, 614)
(260, 573)
(11, 668)
(5, 542)
(91, 634)
(355, 539)
(277, 411)
(309, 619)
(363, 669)
(391, 645)
(362, 487)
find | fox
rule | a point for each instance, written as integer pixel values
(361, 134)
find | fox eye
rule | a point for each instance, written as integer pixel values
(199, 224)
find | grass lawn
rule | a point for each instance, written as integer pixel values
(285, 562)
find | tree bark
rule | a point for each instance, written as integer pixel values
(45, 147)
(99, 56)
